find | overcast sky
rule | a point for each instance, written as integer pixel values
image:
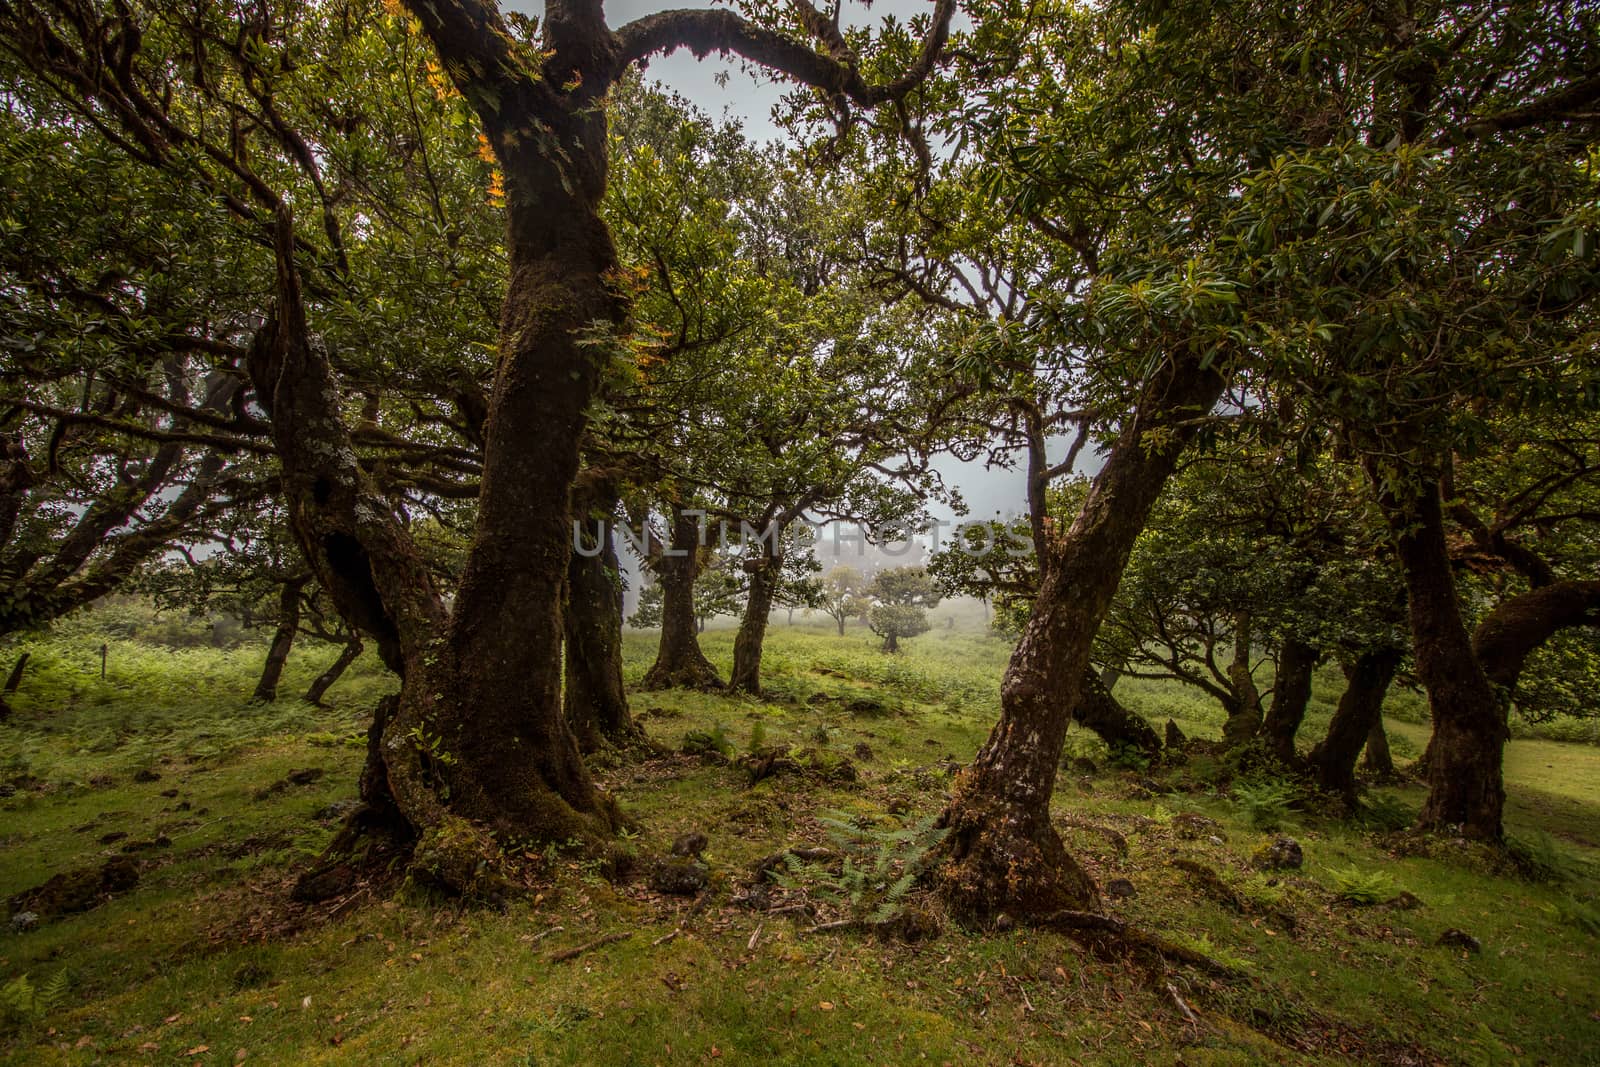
(751, 100)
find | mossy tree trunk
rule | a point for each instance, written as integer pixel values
(1244, 703)
(679, 661)
(323, 682)
(1114, 724)
(1360, 710)
(765, 573)
(596, 702)
(1466, 788)
(1002, 854)
(1291, 694)
(282, 640)
(1378, 761)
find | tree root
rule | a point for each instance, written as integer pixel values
(1154, 951)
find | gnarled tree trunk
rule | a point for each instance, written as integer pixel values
(1291, 693)
(1465, 783)
(1002, 853)
(282, 640)
(1114, 724)
(764, 577)
(1378, 761)
(323, 682)
(1244, 709)
(476, 740)
(679, 661)
(1510, 633)
(596, 703)
(1367, 679)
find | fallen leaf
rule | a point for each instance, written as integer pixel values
(197, 1050)
(825, 1005)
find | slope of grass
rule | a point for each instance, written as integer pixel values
(205, 962)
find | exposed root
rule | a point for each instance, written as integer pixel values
(1102, 931)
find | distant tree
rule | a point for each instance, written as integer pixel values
(900, 600)
(841, 596)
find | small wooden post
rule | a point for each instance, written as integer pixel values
(103, 651)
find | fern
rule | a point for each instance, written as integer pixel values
(22, 1002)
(1362, 887)
(880, 866)
(1265, 802)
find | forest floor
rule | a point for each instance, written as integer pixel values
(219, 804)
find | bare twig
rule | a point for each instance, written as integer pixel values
(664, 938)
(599, 942)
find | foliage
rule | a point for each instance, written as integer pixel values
(879, 867)
(1265, 802)
(900, 598)
(22, 1002)
(1356, 886)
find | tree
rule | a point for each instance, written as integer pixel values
(901, 597)
(840, 597)
(463, 752)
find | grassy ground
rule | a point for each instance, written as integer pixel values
(205, 962)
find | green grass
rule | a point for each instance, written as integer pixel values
(204, 955)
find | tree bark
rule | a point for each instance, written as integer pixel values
(1511, 633)
(764, 577)
(1360, 710)
(1244, 710)
(474, 755)
(14, 679)
(1291, 693)
(679, 661)
(596, 702)
(1114, 724)
(324, 681)
(282, 641)
(1465, 783)
(1002, 853)
(1379, 762)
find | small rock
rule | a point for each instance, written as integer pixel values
(690, 844)
(1404, 901)
(23, 921)
(147, 775)
(1460, 939)
(169, 793)
(863, 751)
(679, 878)
(1215, 840)
(1282, 854)
(1175, 736)
(1120, 889)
